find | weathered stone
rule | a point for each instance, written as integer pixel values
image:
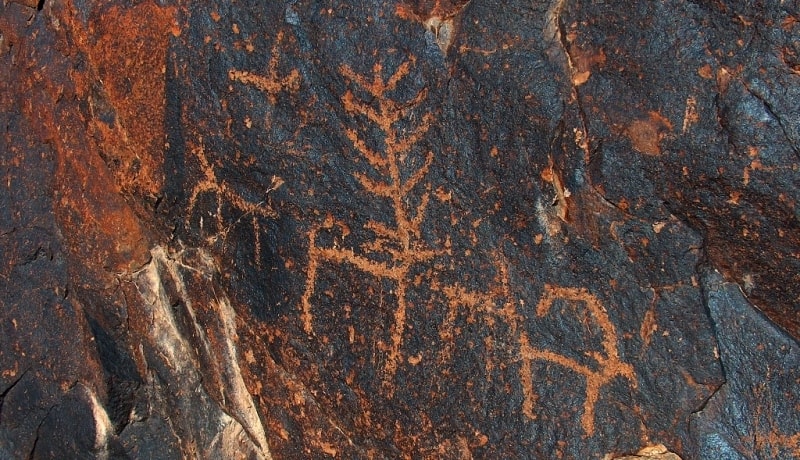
(658, 452)
(753, 415)
(399, 229)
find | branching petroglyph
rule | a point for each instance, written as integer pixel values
(400, 240)
(395, 247)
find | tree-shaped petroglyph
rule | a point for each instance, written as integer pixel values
(499, 303)
(609, 365)
(272, 84)
(400, 240)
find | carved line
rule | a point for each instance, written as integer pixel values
(609, 366)
(401, 241)
(272, 84)
(223, 192)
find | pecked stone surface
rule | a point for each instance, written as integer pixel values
(399, 229)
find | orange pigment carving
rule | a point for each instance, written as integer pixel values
(401, 239)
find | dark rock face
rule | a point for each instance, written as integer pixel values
(753, 413)
(457, 229)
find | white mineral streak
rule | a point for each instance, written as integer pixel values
(239, 420)
(102, 425)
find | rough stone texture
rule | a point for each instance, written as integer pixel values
(749, 416)
(445, 229)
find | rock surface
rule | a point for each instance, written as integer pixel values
(450, 229)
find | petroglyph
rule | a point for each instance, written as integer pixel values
(272, 84)
(609, 366)
(400, 240)
(209, 183)
(499, 303)
(397, 246)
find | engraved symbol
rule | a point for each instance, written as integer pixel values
(272, 83)
(609, 365)
(209, 183)
(498, 303)
(400, 240)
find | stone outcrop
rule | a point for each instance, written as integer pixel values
(368, 229)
